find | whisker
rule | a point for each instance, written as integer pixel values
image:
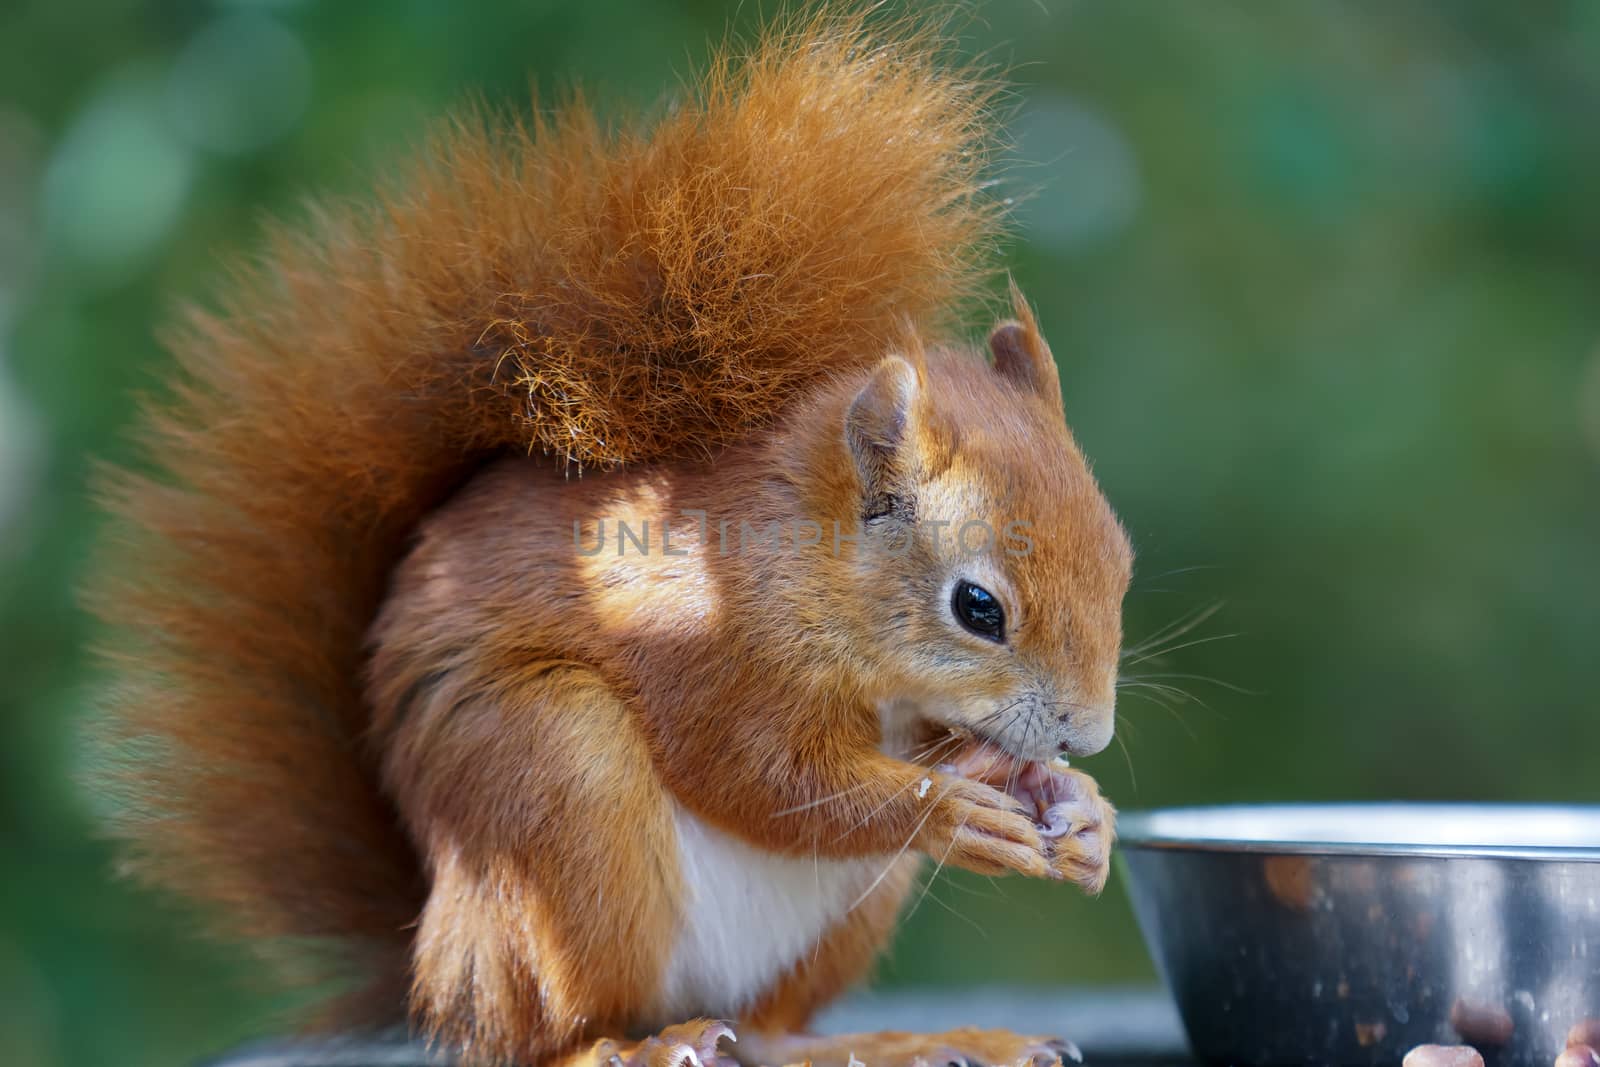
(990, 719)
(1177, 693)
(1174, 648)
(971, 892)
(1171, 711)
(1183, 570)
(939, 747)
(867, 892)
(948, 741)
(1133, 779)
(1015, 774)
(928, 892)
(927, 886)
(1204, 678)
(1011, 722)
(1154, 696)
(869, 816)
(1065, 704)
(1182, 625)
(818, 802)
(1011, 777)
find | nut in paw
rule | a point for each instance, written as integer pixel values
(1075, 825)
(984, 830)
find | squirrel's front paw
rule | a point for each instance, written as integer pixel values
(981, 829)
(1079, 826)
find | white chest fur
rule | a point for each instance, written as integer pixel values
(749, 916)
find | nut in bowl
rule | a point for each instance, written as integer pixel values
(1351, 934)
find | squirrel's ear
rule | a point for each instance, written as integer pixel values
(1020, 352)
(880, 422)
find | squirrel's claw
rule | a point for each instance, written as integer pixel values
(1065, 1050)
(690, 1044)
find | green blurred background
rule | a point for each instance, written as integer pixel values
(1323, 282)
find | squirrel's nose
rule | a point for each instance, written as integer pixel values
(1087, 730)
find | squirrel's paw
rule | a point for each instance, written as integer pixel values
(966, 1047)
(1078, 826)
(691, 1044)
(979, 828)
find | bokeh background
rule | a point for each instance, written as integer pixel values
(1322, 278)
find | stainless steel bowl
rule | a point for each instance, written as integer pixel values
(1346, 934)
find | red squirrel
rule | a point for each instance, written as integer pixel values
(570, 600)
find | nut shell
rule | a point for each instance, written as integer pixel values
(1482, 1024)
(1578, 1056)
(1443, 1056)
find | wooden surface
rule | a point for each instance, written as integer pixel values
(1114, 1028)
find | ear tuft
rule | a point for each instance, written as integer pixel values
(879, 424)
(1020, 352)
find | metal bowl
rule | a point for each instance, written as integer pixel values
(1347, 934)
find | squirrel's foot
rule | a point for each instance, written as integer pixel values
(966, 1047)
(691, 1044)
(1077, 823)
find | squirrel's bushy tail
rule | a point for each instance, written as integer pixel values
(605, 296)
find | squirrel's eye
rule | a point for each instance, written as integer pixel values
(978, 610)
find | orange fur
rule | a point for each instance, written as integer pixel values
(469, 766)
